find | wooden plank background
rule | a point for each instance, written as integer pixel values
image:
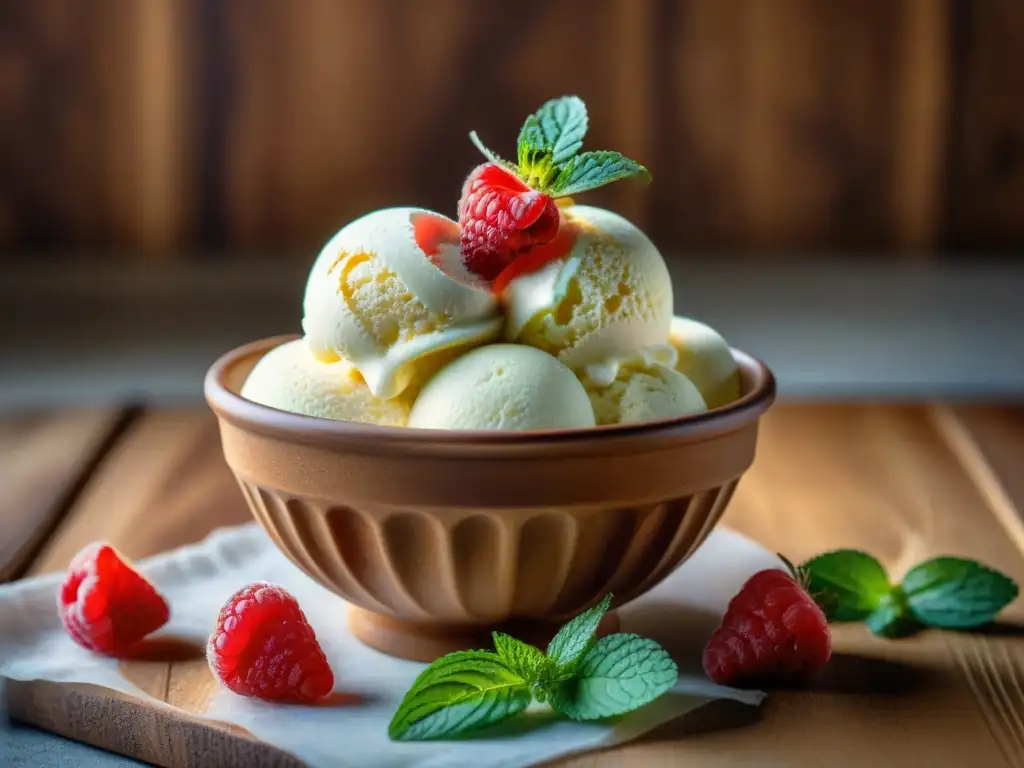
(159, 127)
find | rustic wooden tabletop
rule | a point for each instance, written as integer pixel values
(901, 481)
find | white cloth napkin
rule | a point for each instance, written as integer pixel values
(196, 580)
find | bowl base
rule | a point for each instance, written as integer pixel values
(426, 642)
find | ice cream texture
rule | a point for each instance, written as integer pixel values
(640, 387)
(610, 295)
(704, 357)
(503, 387)
(374, 299)
(290, 378)
(531, 312)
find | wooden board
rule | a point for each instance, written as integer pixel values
(902, 482)
(44, 458)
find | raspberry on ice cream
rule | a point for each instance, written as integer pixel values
(501, 217)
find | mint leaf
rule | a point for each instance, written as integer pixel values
(592, 170)
(848, 585)
(622, 672)
(459, 692)
(523, 659)
(556, 129)
(572, 639)
(892, 616)
(490, 154)
(955, 593)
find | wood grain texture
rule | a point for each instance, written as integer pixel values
(989, 440)
(986, 174)
(44, 459)
(394, 132)
(163, 485)
(769, 124)
(888, 479)
(93, 123)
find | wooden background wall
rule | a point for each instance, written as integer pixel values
(154, 128)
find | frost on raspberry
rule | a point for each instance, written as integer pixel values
(105, 604)
(264, 647)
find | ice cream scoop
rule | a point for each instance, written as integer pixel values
(375, 299)
(705, 358)
(291, 378)
(503, 387)
(610, 295)
(640, 387)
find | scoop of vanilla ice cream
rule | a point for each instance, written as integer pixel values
(505, 387)
(640, 387)
(291, 378)
(704, 357)
(610, 295)
(375, 299)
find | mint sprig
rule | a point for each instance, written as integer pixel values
(548, 152)
(459, 692)
(619, 674)
(556, 129)
(580, 677)
(571, 640)
(594, 169)
(944, 592)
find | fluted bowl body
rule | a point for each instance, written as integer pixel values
(452, 529)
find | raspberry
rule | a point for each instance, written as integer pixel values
(772, 632)
(105, 604)
(501, 217)
(264, 647)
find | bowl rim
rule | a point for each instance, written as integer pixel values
(231, 407)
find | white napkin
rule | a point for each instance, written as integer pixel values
(680, 613)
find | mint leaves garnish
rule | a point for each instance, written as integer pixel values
(594, 169)
(618, 674)
(945, 592)
(579, 677)
(525, 660)
(459, 692)
(548, 152)
(557, 128)
(953, 593)
(849, 584)
(572, 639)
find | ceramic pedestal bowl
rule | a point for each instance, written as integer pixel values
(436, 538)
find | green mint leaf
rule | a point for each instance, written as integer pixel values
(491, 154)
(955, 593)
(848, 585)
(571, 641)
(892, 618)
(523, 659)
(592, 170)
(556, 129)
(620, 673)
(459, 692)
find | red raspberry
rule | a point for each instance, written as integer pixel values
(772, 632)
(501, 217)
(105, 604)
(264, 647)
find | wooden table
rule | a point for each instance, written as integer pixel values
(901, 481)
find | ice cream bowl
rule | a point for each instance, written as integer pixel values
(435, 538)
